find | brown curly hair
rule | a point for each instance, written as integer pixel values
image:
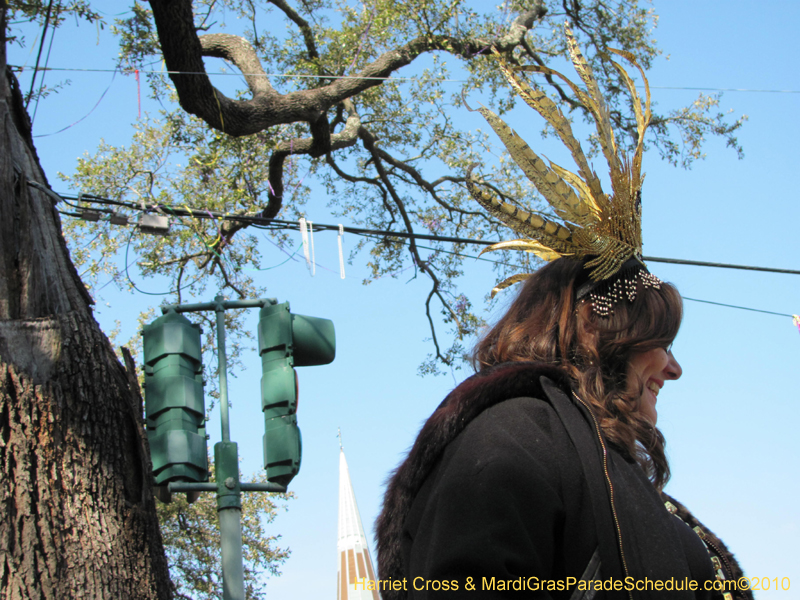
(546, 324)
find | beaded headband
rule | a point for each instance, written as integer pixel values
(605, 230)
(604, 294)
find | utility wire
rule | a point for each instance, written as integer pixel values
(103, 95)
(263, 223)
(767, 312)
(697, 263)
(130, 280)
(36, 68)
(711, 89)
(46, 62)
(399, 79)
(278, 224)
(235, 74)
(668, 260)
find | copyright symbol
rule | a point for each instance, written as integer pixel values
(744, 583)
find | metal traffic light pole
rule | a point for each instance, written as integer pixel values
(229, 494)
(226, 460)
(286, 340)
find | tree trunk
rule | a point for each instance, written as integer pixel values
(77, 514)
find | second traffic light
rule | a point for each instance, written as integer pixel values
(286, 341)
(174, 402)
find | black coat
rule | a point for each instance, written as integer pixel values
(506, 485)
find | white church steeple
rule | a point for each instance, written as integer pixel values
(355, 563)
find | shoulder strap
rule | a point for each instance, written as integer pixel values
(590, 573)
(586, 440)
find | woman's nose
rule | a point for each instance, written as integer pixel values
(673, 368)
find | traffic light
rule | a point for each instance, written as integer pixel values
(286, 341)
(174, 403)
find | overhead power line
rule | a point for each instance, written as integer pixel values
(697, 263)
(280, 224)
(36, 68)
(398, 79)
(713, 89)
(758, 310)
(319, 227)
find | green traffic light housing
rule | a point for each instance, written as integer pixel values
(285, 341)
(174, 402)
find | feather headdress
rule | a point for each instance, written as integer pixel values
(605, 229)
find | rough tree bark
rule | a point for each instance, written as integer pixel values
(77, 515)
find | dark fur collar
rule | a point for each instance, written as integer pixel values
(462, 405)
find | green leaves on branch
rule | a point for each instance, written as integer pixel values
(390, 151)
(192, 543)
(695, 124)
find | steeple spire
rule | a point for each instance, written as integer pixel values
(355, 563)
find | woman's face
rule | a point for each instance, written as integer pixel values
(649, 370)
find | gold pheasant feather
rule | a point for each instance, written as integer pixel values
(553, 235)
(562, 197)
(604, 229)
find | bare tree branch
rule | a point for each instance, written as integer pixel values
(346, 176)
(305, 28)
(183, 53)
(345, 138)
(572, 102)
(228, 282)
(172, 261)
(450, 178)
(424, 184)
(180, 278)
(241, 53)
(368, 141)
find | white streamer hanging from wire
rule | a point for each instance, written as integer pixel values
(341, 254)
(307, 231)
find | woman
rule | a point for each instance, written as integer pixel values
(546, 466)
(543, 473)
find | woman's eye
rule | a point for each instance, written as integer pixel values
(669, 348)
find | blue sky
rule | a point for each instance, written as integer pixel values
(730, 421)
